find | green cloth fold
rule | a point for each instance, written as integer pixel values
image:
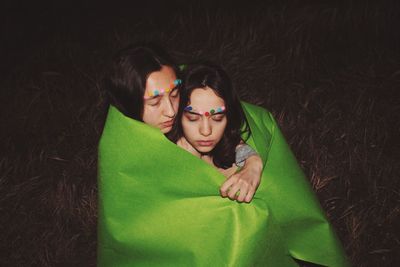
(160, 206)
(308, 234)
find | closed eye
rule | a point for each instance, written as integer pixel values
(218, 117)
(153, 101)
(192, 117)
(174, 93)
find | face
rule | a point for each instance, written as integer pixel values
(159, 108)
(202, 129)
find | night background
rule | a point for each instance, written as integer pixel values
(328, 71)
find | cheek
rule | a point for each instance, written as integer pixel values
(146, 114)
(175, 103)
(150, 115)
(220, 129)
(185, 126)
(189, 129)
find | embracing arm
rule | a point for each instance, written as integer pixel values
(242, 185)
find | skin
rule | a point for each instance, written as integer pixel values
(245, 181)
(159, 112)
(202, 133)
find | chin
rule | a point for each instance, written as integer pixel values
(166, 130)
(204, 150)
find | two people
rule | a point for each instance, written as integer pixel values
(159, 205)
(144, 85)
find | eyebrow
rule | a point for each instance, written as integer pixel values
(195, 113)
(157, 96)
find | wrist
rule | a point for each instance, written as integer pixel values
(255, 162)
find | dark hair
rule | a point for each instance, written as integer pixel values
(212, 76)
(125, 83)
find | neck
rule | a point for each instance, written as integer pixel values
(183, 143)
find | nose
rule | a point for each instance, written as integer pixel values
(205, 127)
(168, 108)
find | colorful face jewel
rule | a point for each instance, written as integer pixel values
(160, 92)
(177, 82)
(206, 113)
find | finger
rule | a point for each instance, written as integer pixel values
(243, 193)
(226, 185)
(232, 193)
(250, 194)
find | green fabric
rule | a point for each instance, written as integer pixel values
(308, 234)
(160, 206)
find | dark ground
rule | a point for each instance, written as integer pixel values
(329, 72)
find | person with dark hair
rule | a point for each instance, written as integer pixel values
(135, 72)
(160, 205)
(210, 122)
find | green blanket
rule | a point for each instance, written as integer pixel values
(160, 206)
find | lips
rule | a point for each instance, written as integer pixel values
(168, 123)
(205, 143)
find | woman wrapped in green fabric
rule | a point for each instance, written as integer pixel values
(210, 121)
(160, 206)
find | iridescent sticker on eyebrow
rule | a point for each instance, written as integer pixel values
(211, 112)
(155, 93)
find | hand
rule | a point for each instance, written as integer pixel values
(242, 185)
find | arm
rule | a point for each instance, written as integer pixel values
(242, 185)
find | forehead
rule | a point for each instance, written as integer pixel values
(205, 99)
(161, 79)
